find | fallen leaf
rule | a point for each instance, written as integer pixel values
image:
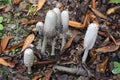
(109, 48)
(48, 75)
(16, 1)
(4, 42)
(2, 7)
(5, 63)
(113, 39)
(68, 44)
(75, 24)
(40, 4)
(36, 77)
(102, 66)
(85, 22)
(14, 47)
(112, 10)
(98, 13)
(94, 4)
(31, 22)
(28, 41)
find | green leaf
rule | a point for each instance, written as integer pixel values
(114, 1)
(116, 69)
(1, 19)
(9, 1)
(1, 27)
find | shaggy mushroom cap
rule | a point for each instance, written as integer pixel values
(28, 57)
(50, 23)
(90, 36)
(39, 27)
(65, 20)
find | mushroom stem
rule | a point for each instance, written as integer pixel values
(44, 45)
(63, 40)
(85, 56)
(53, 47)
(29, 69)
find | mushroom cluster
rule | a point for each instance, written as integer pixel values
(56, 22)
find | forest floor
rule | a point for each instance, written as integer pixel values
(18, 32)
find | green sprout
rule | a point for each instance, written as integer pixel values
(116, 69)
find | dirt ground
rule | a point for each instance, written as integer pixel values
(19, 21)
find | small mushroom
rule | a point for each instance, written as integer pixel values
(49, 30)
(89, 40)
(28, 59)
(65, 22)
(39, 27)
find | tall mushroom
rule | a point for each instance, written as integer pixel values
(49, 30)
(28, 59)
(89, 40)
(65, 22)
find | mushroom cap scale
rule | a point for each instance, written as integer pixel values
(90, 36)
(50, 23)
(28, 57)
(65, 20)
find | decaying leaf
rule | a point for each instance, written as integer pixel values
(109, 48)
(94, 4)
(28, 41)
(68, 44)
(75, 24)
(4, 42)
(102, 66)
(98, 13)
(31, 22)
(2, 7)
(5, 63)
(48, 75)
(85, 22)
(16, 1)
(112, 10)
(40, 4)
(36, 77)
(14, 47)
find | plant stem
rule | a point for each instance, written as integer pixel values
(85, 56)
(63, 40)
(44, 45)
(53, 47)
(29, 69)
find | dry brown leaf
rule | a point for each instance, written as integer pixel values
(102, 66)
(98, 13)
(85, 22)
(2, 7)
(48, 75)
(68, 44)
(16, 1)
(75, 24)
(113, 39)
(31, 22)
(40, 4)
(109, 48)
(36, 77)
(28, 41)
(5, 63)
(4, 42)
(94, 4)
(14, 47)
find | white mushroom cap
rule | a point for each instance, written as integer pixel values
(65, 20)
(57, 11)
(50, 23)
(28, 57)
(90, 36)
(39, 27)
